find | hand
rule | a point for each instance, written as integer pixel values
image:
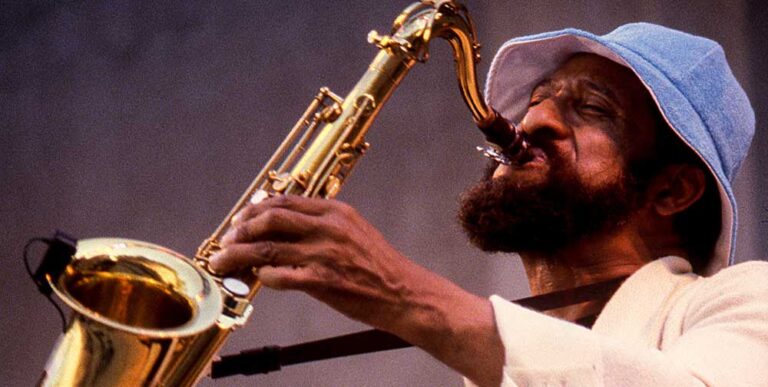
(324, 248)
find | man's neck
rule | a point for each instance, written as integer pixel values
(547, 274)
(583, 263)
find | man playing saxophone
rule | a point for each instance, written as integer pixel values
(634, 139)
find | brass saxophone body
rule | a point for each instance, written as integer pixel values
(145, 315)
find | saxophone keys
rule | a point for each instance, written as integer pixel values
(235, 286)
(378, 40)
(332, 187)
(259, 196)
(303, 178)
(279, 181)
(330, 113)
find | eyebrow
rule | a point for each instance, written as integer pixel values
(549, 83)
(601, 89)
(546, 82)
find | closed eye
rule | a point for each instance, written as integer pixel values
(594, 108)
(534, 102)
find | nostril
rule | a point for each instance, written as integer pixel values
(542, 133)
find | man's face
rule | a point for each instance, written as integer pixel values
(587, 124)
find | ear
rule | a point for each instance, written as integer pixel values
(676, 188)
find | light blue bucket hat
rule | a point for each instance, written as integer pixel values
(687, 76)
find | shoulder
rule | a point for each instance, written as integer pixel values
(738, 289)
(746, 275)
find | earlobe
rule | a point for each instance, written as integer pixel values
(676, 188)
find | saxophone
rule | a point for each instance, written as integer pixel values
(145, 315)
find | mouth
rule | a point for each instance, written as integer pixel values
(533, 163)
(531, 157)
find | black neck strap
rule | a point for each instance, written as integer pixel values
(272, 358)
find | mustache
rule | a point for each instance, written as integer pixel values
(490, 167)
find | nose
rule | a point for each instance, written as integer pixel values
(545, 121)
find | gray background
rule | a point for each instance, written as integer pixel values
(147, 120)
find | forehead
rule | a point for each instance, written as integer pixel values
(599, 74)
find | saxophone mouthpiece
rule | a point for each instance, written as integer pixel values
(506, 143)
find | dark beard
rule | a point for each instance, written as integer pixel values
(499, 216)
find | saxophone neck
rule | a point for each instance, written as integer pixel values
(412, 32)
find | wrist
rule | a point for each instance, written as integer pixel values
(455, 326)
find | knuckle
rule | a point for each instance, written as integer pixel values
(268, 252)
(273, 216)
(344, 217)
(344, 209)
(280, 200)
(246, 211)
(249, 211)
(334, 229)
(331, 253)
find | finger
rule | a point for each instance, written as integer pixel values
(241, 255)
(276, 223)
(308, 206)
(286, 277)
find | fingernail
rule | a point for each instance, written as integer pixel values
(237, 218)
(214, 261)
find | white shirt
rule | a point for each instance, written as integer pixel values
(665, 326)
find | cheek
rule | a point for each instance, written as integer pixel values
(598, 158)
